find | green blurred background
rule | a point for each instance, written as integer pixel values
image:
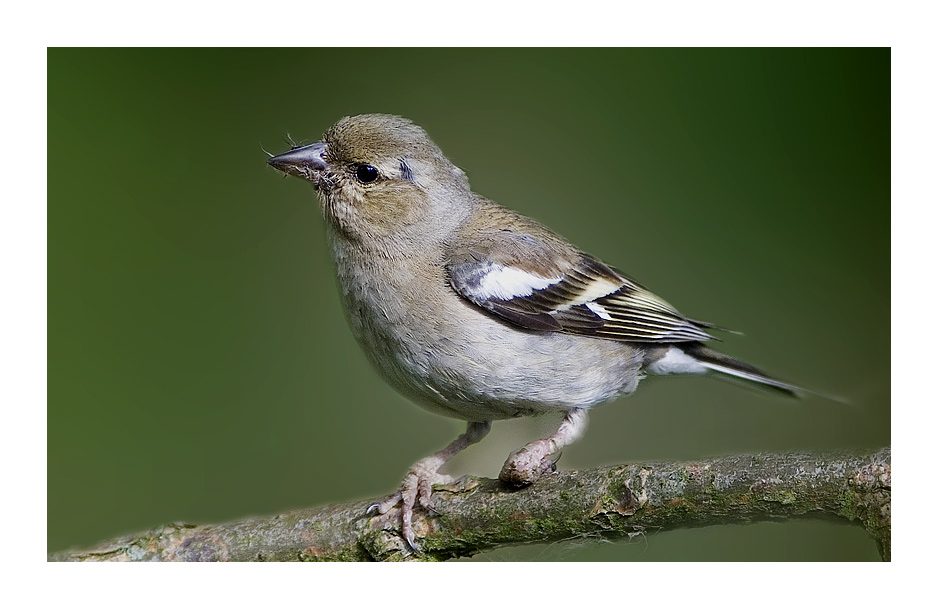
(199, 365)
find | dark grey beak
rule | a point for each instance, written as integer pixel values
(304, 162)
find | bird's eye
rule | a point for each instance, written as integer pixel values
(366, 174)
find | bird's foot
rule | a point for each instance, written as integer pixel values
(525, 465)
(415, 490)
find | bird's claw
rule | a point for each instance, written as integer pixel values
(416, 490)
(553, 463)
(383, 506)
(525, 465)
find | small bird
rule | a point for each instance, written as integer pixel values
(479, 313)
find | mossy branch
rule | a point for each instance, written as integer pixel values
(478, 514)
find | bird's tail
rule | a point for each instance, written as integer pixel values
(696, 358)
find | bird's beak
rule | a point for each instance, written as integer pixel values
(305, 162)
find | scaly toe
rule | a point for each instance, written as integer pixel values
(382, 507)
(527, 464)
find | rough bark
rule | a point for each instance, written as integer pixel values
(478, 514)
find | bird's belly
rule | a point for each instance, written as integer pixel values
(457, 360)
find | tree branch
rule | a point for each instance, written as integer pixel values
(478, 514)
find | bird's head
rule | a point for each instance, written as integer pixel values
(377, 174)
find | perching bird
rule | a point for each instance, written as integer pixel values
(477, 312)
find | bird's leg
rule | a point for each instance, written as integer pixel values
(418, 483)
(525, 465)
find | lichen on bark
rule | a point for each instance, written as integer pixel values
(473, 515)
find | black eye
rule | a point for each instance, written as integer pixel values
(366, 174)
